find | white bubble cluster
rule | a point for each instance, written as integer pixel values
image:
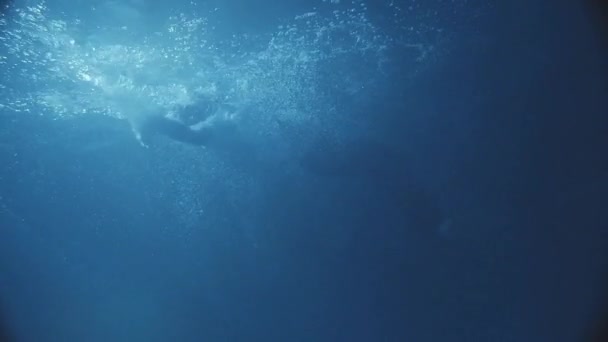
(58, 66)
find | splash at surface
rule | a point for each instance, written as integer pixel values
(66, 65)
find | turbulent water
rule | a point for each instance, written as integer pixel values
(289, 84)
(73, 66)
(395, 170)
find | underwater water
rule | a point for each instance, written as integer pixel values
(393, 170)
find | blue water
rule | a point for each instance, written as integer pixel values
(378, 171)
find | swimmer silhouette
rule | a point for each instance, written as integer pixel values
(203, 122)
(173, 129)
(199, 129)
